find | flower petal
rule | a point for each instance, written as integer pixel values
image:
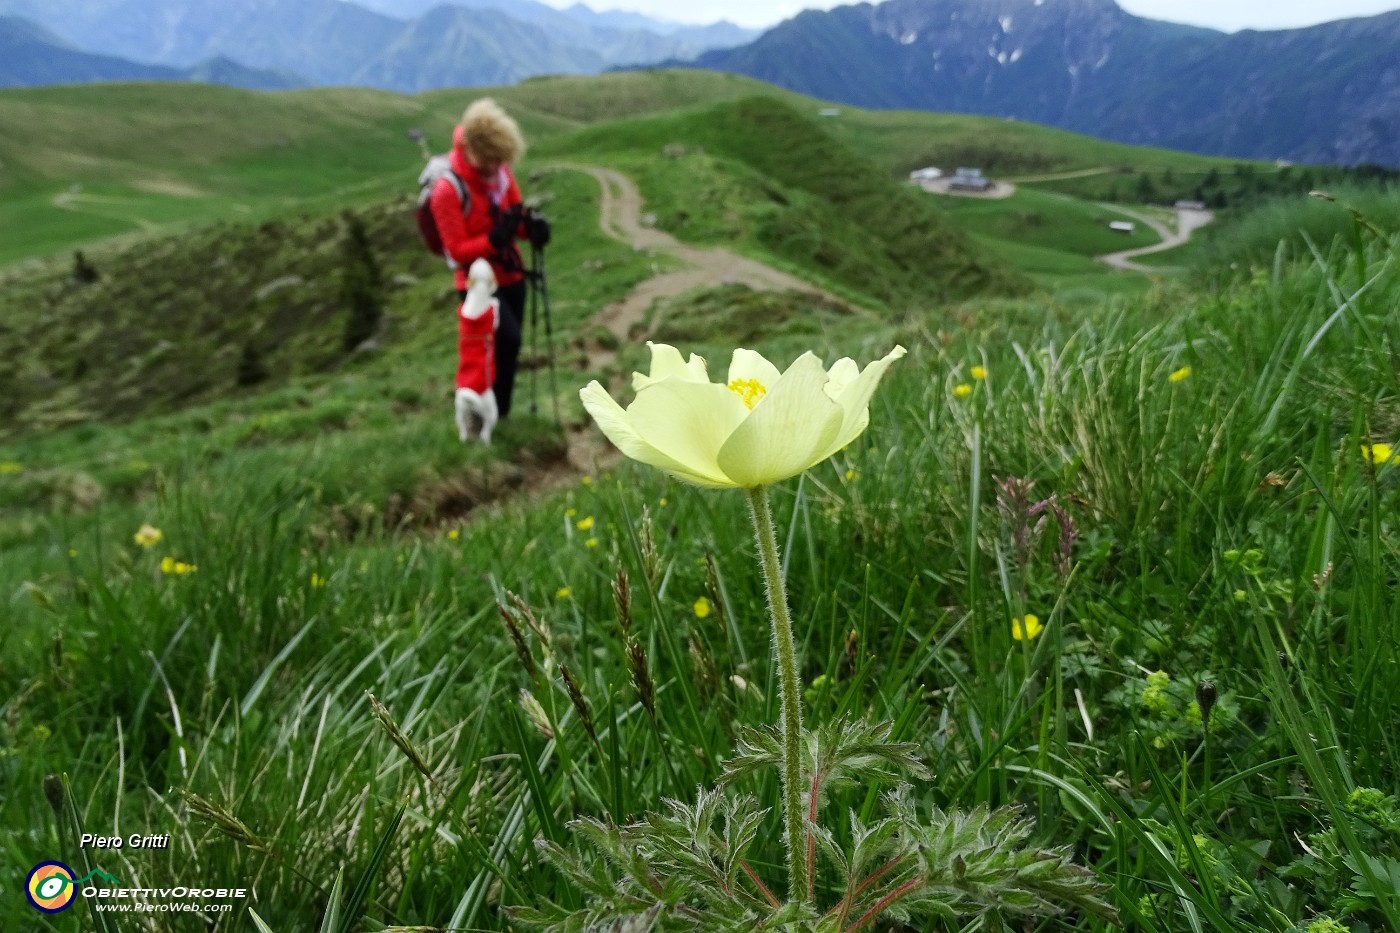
(666, 363)
(689, 422)
(854, 398)
(674, 425)
(790, 429)
(841, 374)
(617, 427)
(747, 364)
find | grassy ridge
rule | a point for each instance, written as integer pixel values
(187, 152)
(756, 170)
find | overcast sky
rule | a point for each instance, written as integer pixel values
(1228, 15)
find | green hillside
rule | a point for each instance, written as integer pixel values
(84, 163)
(756, 169)
(1112, 564)
(172, 317)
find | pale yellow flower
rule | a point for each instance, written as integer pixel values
(852, 475)
(1378, 453)
(757, 428)
(702, 607)
(317, 581)
(585, 524)
(1031, 629)
(587, 481)
(562, 593)
(962, 390)
(147, 536)
(167, 565)
(1180, 374)
(453, 535)
(979, 372)
(591, 542)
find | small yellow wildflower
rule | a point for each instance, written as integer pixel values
(1031, 629)
(167, 565)
(1180, 374)
(10, 468)
(1378, 453)
(453, 535)
(317, 581)
(585, 524)
(852, 475)
(587, 481)
(147, 536)
(591, 542)
(182, 568)
(702, 607)
(962, 390)
(664, 502)
(979, 372)
(570, 513)
(562, 593)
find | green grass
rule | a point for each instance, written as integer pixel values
(1217, 521)
(1223, 526)
(1301, 224)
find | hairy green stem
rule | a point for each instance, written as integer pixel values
(789, 695)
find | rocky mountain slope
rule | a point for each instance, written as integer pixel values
(1327, 93)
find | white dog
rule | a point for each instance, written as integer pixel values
(476, 354)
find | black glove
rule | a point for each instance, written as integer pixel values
(502, 235)
(537, 229)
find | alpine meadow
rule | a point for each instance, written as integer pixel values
(857, 556)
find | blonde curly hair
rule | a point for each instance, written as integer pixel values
(489, 133)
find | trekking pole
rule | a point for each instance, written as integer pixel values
(537, 260)
(532, 301)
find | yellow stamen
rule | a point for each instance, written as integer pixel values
(750, 390)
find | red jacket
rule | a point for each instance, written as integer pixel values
(464, 237)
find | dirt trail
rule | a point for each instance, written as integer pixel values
(620, 217)
(1187, 222)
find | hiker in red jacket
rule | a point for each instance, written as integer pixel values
(484, 146)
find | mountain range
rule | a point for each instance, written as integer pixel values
(400, 45)
(31, 55)
(1325, 94)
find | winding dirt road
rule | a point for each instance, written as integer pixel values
(1187, 222)
(620, 217)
